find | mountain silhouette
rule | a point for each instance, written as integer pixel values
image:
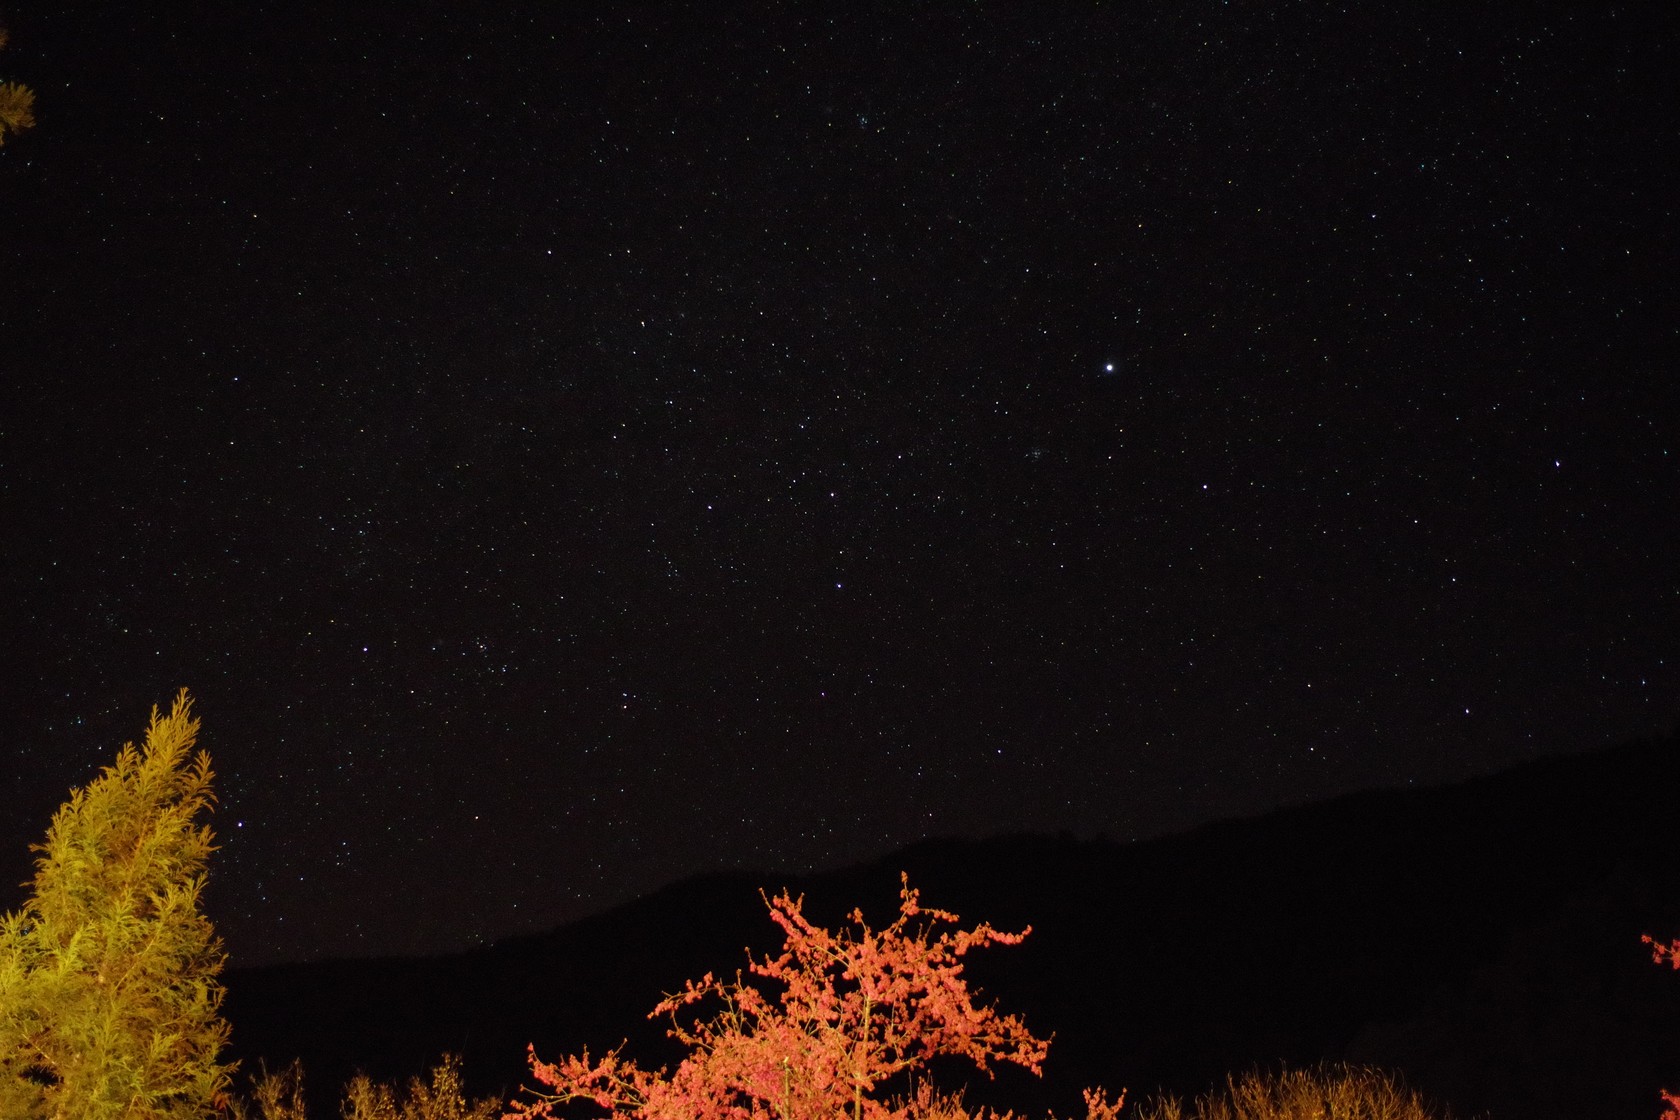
(1481, 938)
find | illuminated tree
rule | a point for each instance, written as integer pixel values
(17, 103)
(1670, 954)
(109, 1004)
(855, 1010)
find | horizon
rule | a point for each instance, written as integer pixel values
(777, 879)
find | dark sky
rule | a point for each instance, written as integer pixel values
(565, 448)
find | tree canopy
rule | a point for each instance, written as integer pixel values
(109, 1003)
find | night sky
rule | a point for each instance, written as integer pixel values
(569, 447)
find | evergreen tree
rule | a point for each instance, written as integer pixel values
(17, 103)
(109, 1004)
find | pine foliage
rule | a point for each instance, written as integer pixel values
(109, 1003)
(17, 103)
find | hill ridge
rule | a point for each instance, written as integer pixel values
(1369, 926)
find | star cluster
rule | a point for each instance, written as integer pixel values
(565, 451)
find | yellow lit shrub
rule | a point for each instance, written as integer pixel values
(1329, 1092)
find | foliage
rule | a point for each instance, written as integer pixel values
(109, 1005)
(1325, 1093)
(279, 1096)
(443, 1099)
(273, 1096)
(17, 103)
(1669, 953)
(856, 1009)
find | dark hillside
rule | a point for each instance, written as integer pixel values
(1481, 937)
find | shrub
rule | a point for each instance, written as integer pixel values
(274, 1096)
(855, 1010)
(279, 1096)
(1326, 1093)
(443, 1099)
